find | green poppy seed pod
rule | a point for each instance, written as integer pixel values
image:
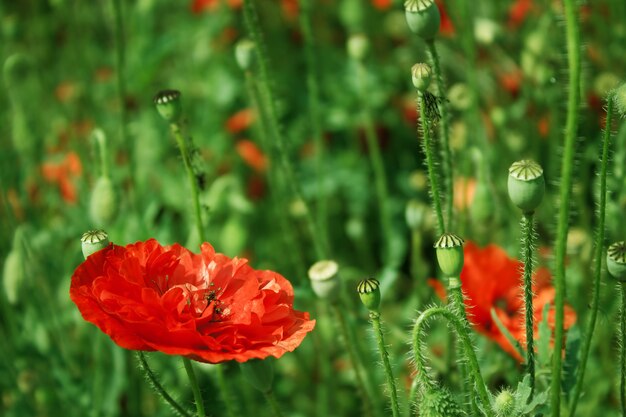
(423, 18)
(504, 404)
(369, 292)
(103, 203)
(619, 95)
(358, 45)
(259, 373)
(94, 240)
(526, 184)
(416, 213)
(245, 54)
(616, 261)
(168, 105)
(439, 403)
(13, 275)
(324, 276)
(449, 250)
(421, 75)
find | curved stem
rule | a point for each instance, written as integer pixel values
(468, 349)
(384, 355)
(271, 399)
(573, 57)
(446, 153)
(157, 387)
(528, 237)
(430, 163)
(598, 256)
(184, 152)
(197, 396)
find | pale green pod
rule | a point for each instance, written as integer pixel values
(526, 185)
(616, 261)
(504, 404)
(13, 275)
(369, 293)
(324, 276)
(103, 202)
(168, 105)
(93, 241)
(423, 18)
(245, 54)
(421, 75)
(449, 248)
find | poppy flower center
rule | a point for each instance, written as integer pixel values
(204, 304)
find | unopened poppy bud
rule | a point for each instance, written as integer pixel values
(103, 203)
(358, 46)
(449, 250)
(259, 373)
(504, 404)
(619, 95)
(13, 275)
(421, 75)
(168, 105)
(94, 240)
(369, 292)
(423, 18)
(416, 213)
(439, 403)
(616, 261)
(526, 184)
(245, 54)
(324, 276)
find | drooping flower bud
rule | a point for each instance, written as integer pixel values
(103, 203)
(168, 105)
(504, 404)
(369, 292)
(94, 240)
(526, 184)
(449, 248)
(245, 54)
(324, 276)
(423, 18)
(616, 261)
(259, 373)
(358, 45)
(421, 75)
(439, 403)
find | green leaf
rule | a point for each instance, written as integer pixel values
(506, 333)
(570, 365)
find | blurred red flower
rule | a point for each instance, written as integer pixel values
(206, 306)
(62, 174)
(382, 4)
(252, 155)
(198, 6)
(490, 279)
(240, 121)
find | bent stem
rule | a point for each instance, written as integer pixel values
(462, 332)
(197, 396)
(598, 256)
(567, 166)
(157, 387)
(528, 238)
(430, 162)
(384, 355)
(446, 153)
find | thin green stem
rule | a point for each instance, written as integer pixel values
(622, 349)
(376, 159)
(528, 240)
(444, 128)
(384, 355)
(157, 387)
(271, 399)
(314, 111)
(197, 396)
(225, 392)
(267, 98)
(571, 127)
(463, 334)
(103, 151)
(598, 256)
(430, 162)
(185, 154)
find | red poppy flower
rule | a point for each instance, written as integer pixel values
(490, 279)
(63, 174)
(382, 4)
(252, 155)
(240, 121)
(206, 306)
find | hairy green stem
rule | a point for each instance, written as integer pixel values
(444, 128)
(197, 396)
(598, 256)
(267, 97)
(430, 162)
(271, 399)
(185, 154)
(528, 241)
(470, 355)
(571, 127)
(384, 355)
(376, 159)
(157, 387)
